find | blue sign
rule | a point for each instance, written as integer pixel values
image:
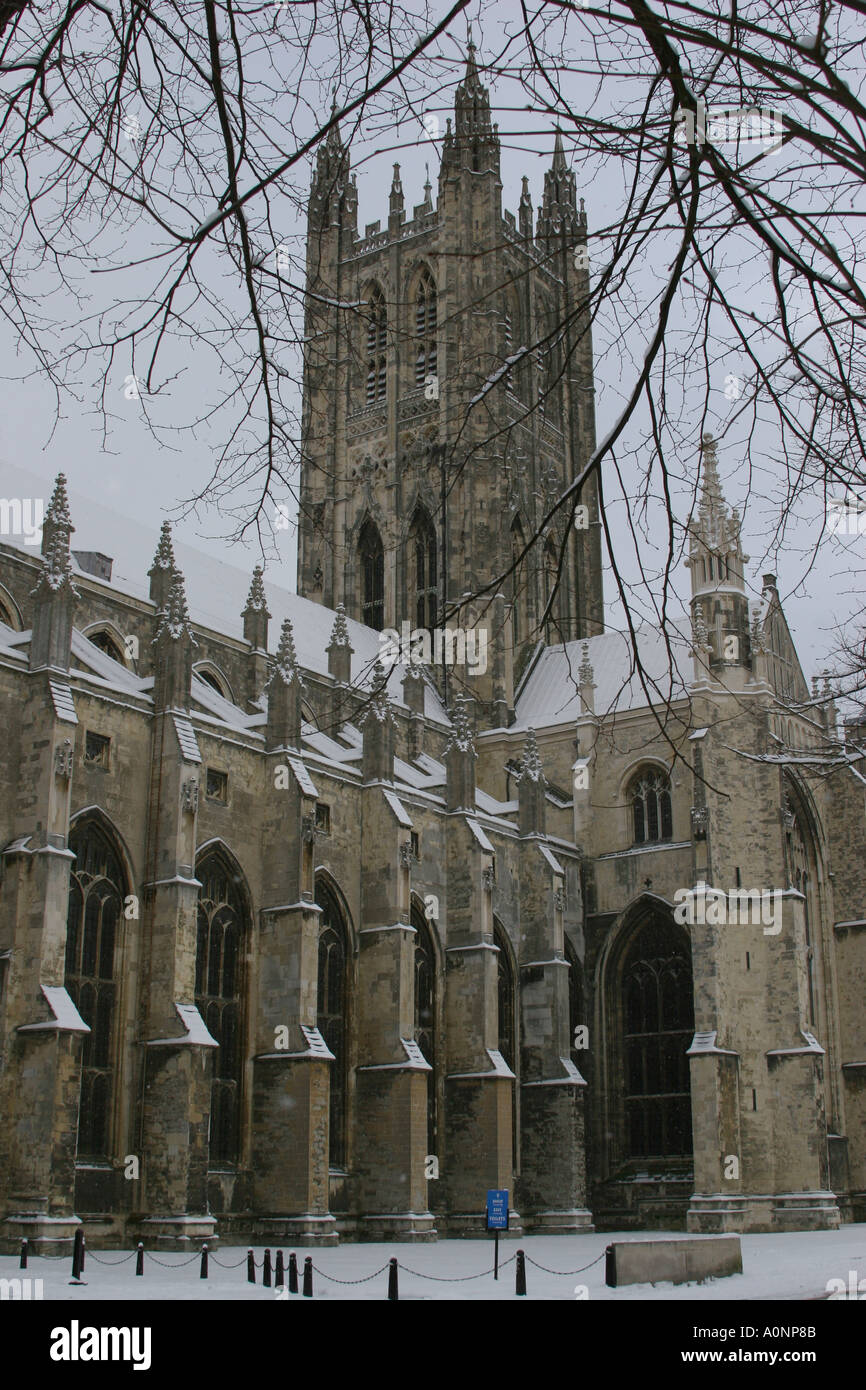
(497, 1209)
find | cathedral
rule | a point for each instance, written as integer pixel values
(301, 945)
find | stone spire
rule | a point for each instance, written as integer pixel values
(459, 758)
(474, 144)
(340, 649)
(55, 594)
(531, 789)
(524, 211)
(395, 202)
(716, 563)
(285, 688)
(377, 726)
(586, 681)
(173, 646)
(163, 569)
(255, 614)
(57, 518)
(333, 194)
(558, 211)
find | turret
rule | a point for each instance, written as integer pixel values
(54, 594)
(716, 562)
(173, 646)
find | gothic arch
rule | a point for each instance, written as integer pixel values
(517, 584)
(803, 861)
(429, 1005)
(645, 1024)
(646, 791)
(370, 566)
(334, 1010)
(109, 640)
(422, 570)
(99, 885)
(10, 613)
(213, 676)
(423, 301)
(222, 943)
(96, 814)
(375, 345)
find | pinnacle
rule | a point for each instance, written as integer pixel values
(56, 572)
(164, 557)
(174, 618)
(531, 768)
(58, 507)
(256, 600)
(585, 673)
(286, 665)
(339, 632)
(461, 733)
(379, 707)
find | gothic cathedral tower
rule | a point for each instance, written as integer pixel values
(448, 402)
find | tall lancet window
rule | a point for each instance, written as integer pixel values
(426, 356)
(221, 933)
(516, 580)
(371, 556)
(423, 570)
(97, 887)
(377, 342)
(331, 1006)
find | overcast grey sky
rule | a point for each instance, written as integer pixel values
(136, 478)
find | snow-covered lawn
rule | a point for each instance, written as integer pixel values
(774, 1266)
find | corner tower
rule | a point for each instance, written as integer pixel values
(448, 403)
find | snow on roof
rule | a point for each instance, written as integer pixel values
(550, 695)
(216, 590)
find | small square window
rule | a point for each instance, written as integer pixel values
(96, 750)
(323, 818)
(217, 786)
(416, 845)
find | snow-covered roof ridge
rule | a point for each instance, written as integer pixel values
(550, 695)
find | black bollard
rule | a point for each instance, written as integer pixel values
(251, 1267)
(139, 1259)
(308, 1277)
(203, 1270)
(293, 1273)
(22, 1263)
(280, 1272)
(83, 1251)
(266, 1274)
(77, 1258)
(393, 1292)
(520, 1266)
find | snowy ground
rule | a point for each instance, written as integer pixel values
(795, 1266)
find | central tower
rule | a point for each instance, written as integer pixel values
(448, 402)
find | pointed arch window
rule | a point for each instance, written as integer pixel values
(425, 1015)
(658, 1019)
(426, 310)
(331, 1015)
(803, 879)
(372, 565)
(423, 563)
(104, 642)
(506, 999)
(377, 342)
(650, 797)
(518, 612)
(97, 888)
(222, 928)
